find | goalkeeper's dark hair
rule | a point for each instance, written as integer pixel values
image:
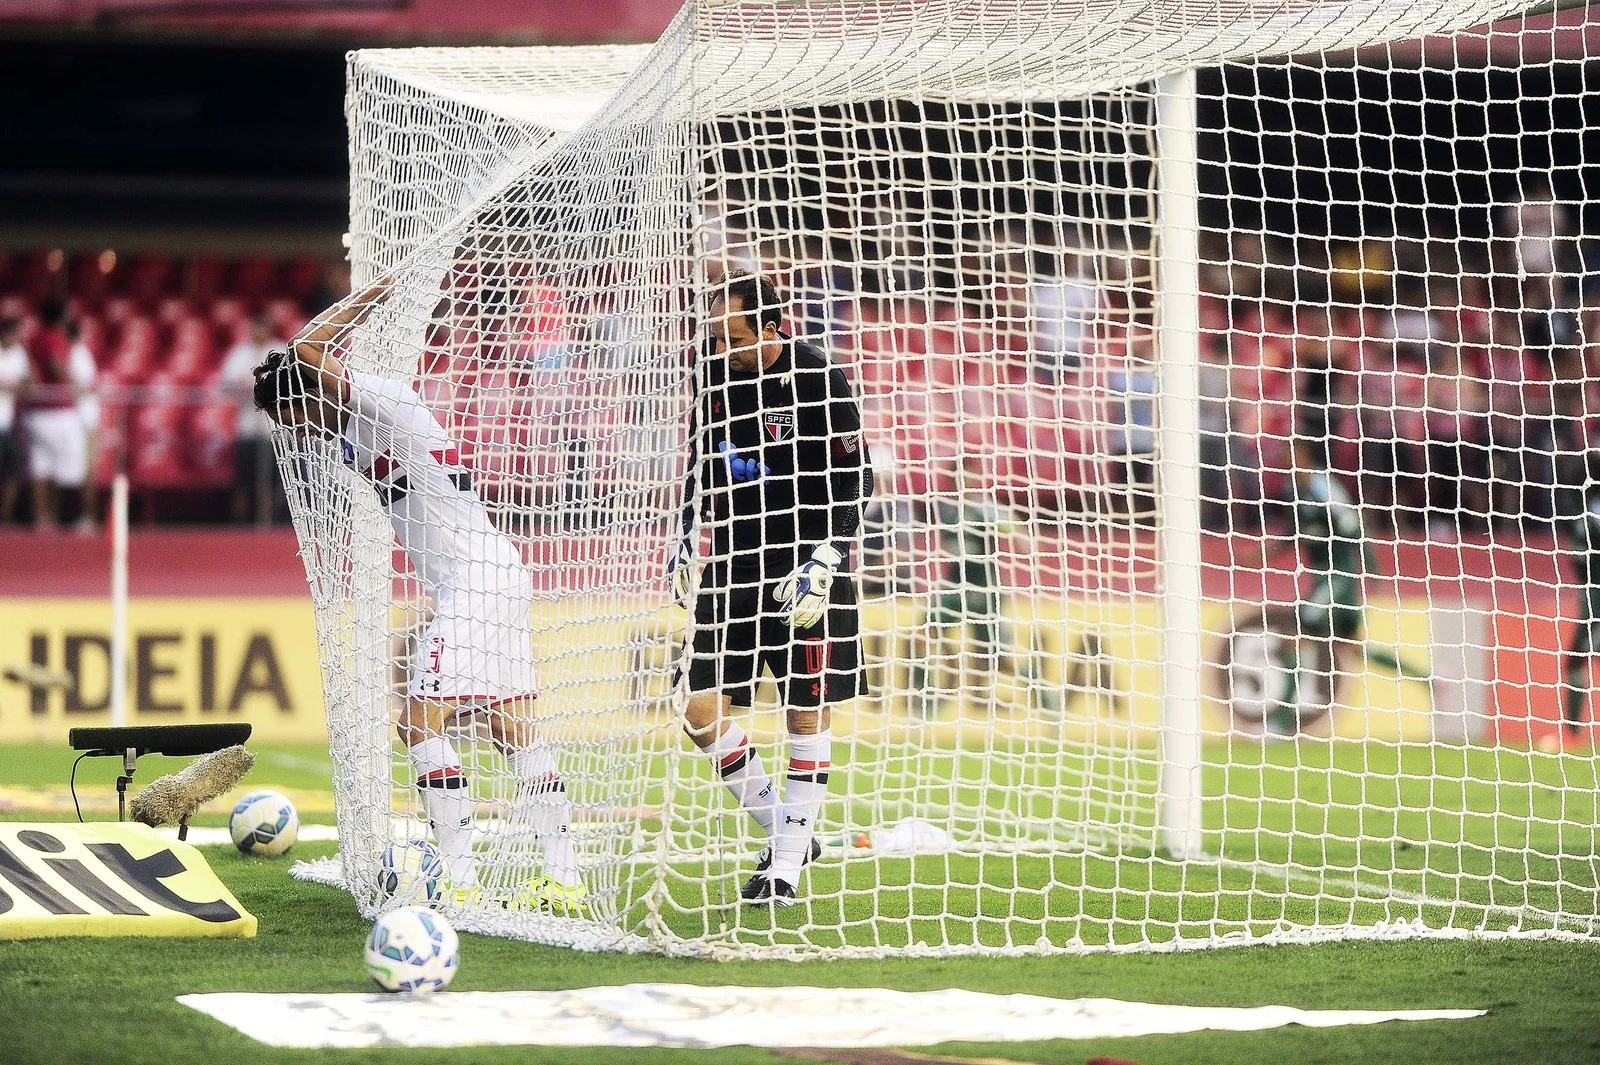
(758, 298)
(280, 381)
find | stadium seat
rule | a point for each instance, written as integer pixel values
(252, 279)
(212, 430)
(38, 276)
(118, 310)
(111, 446)
(156, 456)
(87, 282)
(229, 313)
(92, 332)
(172, 309)
(206, 274)
(285, 315)
(300, 278)
(150, 277)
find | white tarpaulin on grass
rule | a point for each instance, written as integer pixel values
(687, 1015)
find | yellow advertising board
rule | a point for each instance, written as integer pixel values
(199, 659)
(1092, 662)
(109, 879)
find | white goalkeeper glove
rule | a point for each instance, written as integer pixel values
(681, 568)
(804, 593)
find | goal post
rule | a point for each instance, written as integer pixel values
(1178, 341)
(1164, 325)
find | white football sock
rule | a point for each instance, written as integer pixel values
(803, 793)
(543, 805)
(740, 767)
(449, 805)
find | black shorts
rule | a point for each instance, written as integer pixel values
(10, 454)
(740, 631)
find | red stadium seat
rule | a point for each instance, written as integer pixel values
(285, 315)
(229, 313)
(193, 355)
(92, 331)
(136, 355)
(87, 282)
(150, 277)
(156, 446)
(206, 274)
(213, 429)
(39, 275)
(253, 279)
(111, 445)
(172, 309)
(301, 278)
(118, 310)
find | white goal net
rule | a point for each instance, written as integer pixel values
(1220, 368)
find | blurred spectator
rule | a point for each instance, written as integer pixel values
(255, 472)
(1065, 307)
(57, 444)
(13, 372)
(86, 383)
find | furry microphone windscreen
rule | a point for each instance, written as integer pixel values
(168, 800)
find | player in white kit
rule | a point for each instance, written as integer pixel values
(475, 656)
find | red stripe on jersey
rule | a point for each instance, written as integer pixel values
(448, 457)
(382, 466)
(446, 773)
(807, 767)
(734, 755)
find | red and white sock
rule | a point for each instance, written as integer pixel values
(542, 804)
(807, 786)
(741, 770)
(449, 805)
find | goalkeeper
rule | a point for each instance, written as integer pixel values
(776, 471)
(475, 656)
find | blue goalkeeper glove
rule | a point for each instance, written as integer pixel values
(804, 593)
(742, 470)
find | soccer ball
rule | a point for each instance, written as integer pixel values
(264, 822)
(412, 949)
(411, 872)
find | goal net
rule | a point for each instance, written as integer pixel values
(1221, 371)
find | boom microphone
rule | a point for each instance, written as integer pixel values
(172, 799)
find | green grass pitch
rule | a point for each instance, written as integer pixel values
(97, 1000)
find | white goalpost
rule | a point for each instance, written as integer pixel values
(1163, 644)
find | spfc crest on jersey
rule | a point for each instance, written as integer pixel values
(779, 424)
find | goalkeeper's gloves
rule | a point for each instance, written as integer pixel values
(681, 567)
(804, 593)
(742, 470)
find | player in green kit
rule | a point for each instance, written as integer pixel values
(1583, 546)
(1331, 540)
(969, 527)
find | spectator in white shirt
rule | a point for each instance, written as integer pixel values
(86, 379)
(255, 473)
(13, 372)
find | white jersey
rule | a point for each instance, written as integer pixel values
(400, 448)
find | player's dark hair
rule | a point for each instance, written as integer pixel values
(53, 312)
(758, 298)
(279, 382)
(10, 324)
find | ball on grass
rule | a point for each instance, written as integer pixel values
(264, 823)
(412, 949)
(411, 872)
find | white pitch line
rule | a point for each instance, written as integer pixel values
(1285, 873)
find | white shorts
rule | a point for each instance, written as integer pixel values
(477, 648)
(58, 446)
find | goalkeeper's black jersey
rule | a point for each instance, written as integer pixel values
(800, 418)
